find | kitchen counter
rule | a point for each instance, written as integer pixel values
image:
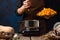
(47, 36)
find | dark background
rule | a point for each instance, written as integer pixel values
(54, 4)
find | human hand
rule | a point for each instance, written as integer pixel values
(26, 4)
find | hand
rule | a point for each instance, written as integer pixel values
(26, 4)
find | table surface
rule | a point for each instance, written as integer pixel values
(43, 37)
(30, 37)
(21, 37)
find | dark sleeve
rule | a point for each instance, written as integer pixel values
(19, 4)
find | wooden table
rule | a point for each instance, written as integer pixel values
(43, 37)
(32, 37)
(21, 37)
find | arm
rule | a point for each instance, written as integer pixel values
(26, 4)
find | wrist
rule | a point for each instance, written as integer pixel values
(21, 10)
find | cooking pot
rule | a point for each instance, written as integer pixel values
(29, 27)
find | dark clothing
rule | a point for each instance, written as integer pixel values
(37, 6)
(8, 14)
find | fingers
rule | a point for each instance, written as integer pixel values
(27, 4)
(27, 0)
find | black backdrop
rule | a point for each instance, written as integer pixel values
(54, 4)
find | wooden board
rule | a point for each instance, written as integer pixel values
(24, 38)
(35, 38)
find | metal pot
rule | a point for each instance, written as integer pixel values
(31, 23)
(29, 27)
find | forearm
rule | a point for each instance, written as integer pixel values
(20, 10)
(26, 4)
